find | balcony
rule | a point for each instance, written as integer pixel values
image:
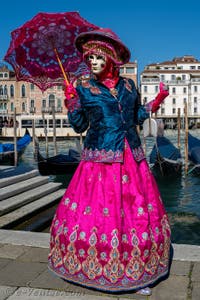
(32, 110)
(49, 110)
(4, 98)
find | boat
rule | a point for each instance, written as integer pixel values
(7, 150)
(165, 158)
(59, 164)
(194, 154)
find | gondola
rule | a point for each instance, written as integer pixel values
(165, 158)
(194, 154)
(59, 164)
(7, 150)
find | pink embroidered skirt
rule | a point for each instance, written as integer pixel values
(110, 231)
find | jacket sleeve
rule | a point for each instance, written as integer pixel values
(141, 113)
(78, 120)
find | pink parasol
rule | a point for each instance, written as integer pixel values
(42, 50)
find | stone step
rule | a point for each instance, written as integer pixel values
(17, 178)
(22, 186)
(19, 200)
(29, 209)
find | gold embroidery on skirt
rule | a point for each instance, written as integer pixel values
(114, 269)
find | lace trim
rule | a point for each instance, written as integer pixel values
(110, 156)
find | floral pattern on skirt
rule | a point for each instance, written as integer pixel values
(110, 230)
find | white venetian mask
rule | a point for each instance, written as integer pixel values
(97, 63)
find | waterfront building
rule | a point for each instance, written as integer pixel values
(182, 75)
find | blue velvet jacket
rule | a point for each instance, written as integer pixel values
(111, 117)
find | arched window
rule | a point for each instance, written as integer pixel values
(5, 90)
(12, 106)
(12, 91)
(32, 86)
(23, 91)
(51, 100)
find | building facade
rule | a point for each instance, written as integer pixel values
(182, 75)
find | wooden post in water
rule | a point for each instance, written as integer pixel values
(15, 138)
(186, 139)
(46, 136)
(179, 128)
(33, 138)
(54, 131)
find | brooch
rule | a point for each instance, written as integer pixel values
(114, 92)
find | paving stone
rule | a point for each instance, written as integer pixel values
(196, 272)
(35, 255)
(180, 268)
(4, 262)
(49, 280)
(196, 291)
(11, 252)
(18, 273)
(6, 291)
(42, 294)
(173, 288)
(25, 238)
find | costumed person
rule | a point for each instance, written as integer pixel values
(110, 231)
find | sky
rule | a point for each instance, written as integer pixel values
(154, 31)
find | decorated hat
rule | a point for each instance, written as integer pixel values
(106, 42)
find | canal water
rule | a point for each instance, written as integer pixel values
(181, 195)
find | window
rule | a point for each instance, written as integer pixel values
(183, 77)
(184, 100)
(59, 103)
(23, 91)
(1, 75)
(162, 111)
(12, 91)
(51, 100)
(192, 67)
(195, 110)
(1, 90)
(32, 86)
(173, 110)
(173, 77)
(173, 90)
(12, 106)
(130, 70)
(156, 89)
(44, 103)
(195, 89)
(5, 90)
(23, 106)
(5, 75)
(174, 100)
(162, 77)
(59, 87)
(32, 103)
(195, 99)
(184, 90)
(121, 71)
(145, 89)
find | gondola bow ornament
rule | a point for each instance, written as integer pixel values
(42, 50)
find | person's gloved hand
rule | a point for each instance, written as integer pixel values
(70, 91)
(72, 99)
(164, 92)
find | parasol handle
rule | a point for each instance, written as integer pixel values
(61, 66)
